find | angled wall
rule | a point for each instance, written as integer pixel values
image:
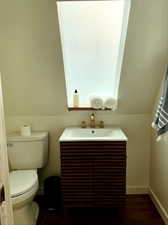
(158, 171)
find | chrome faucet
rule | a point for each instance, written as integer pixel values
(92, 120)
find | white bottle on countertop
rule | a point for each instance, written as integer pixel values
(76, 99)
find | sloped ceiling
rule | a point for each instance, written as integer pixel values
(145, 58)
(32, 66)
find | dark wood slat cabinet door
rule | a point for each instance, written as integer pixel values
(109, 175)
(93, 173)
(76, 176)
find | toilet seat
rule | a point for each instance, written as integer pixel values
(22, 181)
(21, 199)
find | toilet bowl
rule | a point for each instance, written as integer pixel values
(26, 155)
(23, 187)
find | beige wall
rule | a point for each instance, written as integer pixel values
(159, 170)
(159, 167)
(33, 77)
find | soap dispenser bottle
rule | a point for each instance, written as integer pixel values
(76, 99)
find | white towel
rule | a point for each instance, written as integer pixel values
(160, 123)
(96, 102)
(110, 103)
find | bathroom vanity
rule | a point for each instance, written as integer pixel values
(93, 167)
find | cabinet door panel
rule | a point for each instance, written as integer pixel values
(76, 173)
(109, 176)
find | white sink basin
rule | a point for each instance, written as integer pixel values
(93, 134)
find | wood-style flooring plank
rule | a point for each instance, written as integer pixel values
(138, 210)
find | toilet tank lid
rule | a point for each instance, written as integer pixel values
(35, 136)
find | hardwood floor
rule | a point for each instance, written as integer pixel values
(138, 210)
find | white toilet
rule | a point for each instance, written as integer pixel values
(26, 155)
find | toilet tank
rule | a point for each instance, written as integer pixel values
(28, 152)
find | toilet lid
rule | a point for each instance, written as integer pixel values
(21, 181)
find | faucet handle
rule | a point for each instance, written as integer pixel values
(83, 124)
(92, 116)
(101, 124)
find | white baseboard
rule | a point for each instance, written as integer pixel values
(159, 206)
(133, 190)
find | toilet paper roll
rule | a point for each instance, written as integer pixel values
(25, 130)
